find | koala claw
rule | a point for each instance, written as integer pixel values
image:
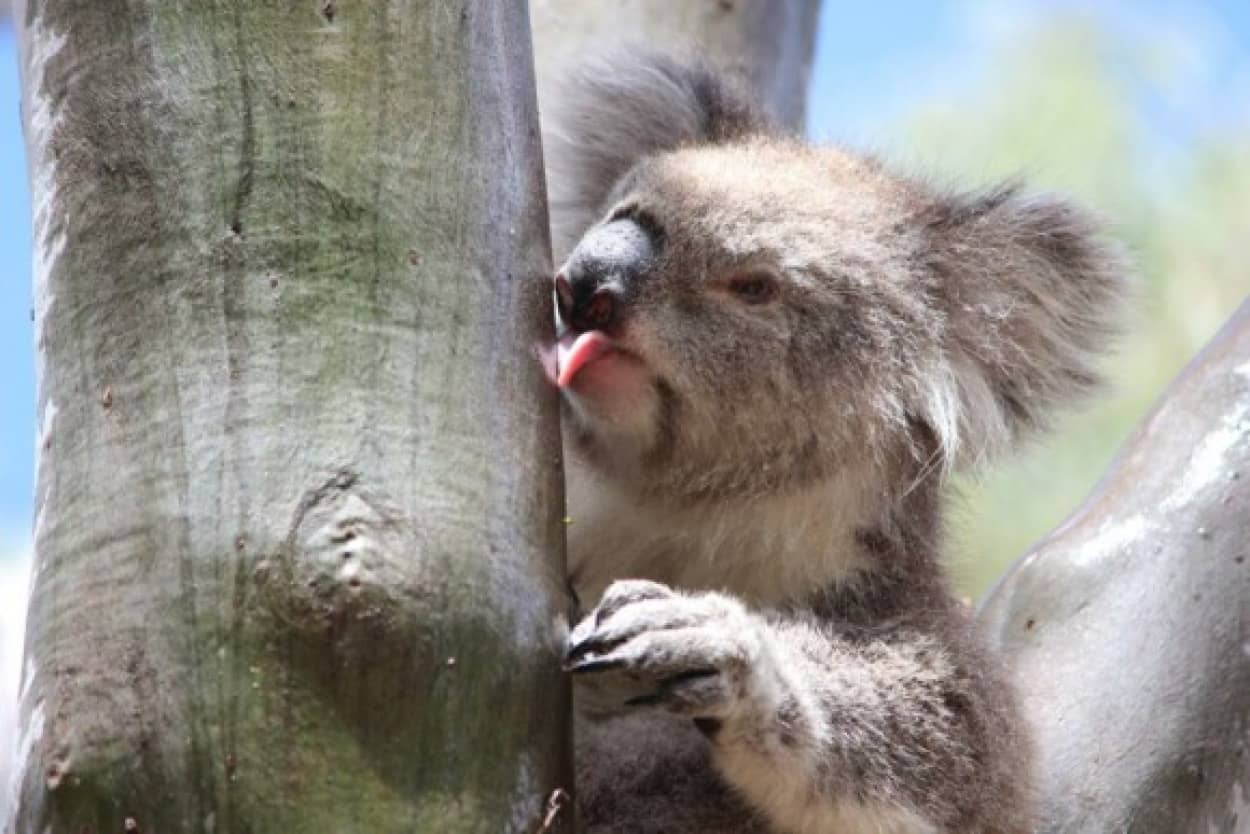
(694, 654)
(584, 666)
(690, 692)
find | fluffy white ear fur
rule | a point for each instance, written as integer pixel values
(1032, 291)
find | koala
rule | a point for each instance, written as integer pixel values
(770, 356)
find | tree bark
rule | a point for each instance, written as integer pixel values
(1129, 626)
(768, 42)
(298, 541)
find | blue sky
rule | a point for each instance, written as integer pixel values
(875, 63)
(17, 373)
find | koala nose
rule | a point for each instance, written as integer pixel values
(599, 276)
(593, 310)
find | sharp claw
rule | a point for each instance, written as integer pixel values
(577, 651)
(675, 681)
(645, 700)
(599, 664)
(590, 645)
(666, 687)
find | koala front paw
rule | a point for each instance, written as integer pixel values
(701, 655)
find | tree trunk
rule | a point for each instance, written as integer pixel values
(298, 541)
(768, 42)
(1129, 626)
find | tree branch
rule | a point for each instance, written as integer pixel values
(1130, 625)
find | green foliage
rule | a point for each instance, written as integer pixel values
(1067, 108)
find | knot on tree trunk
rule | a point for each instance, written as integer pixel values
(351, 577)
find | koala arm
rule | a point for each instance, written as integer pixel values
(848, 729)
(820, 728)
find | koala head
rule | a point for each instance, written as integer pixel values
(740, 314)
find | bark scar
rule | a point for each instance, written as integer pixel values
(342, 481)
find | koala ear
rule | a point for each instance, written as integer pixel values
(1032, 293)
(612, 112)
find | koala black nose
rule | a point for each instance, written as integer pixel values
(600, 275)
(592, 309)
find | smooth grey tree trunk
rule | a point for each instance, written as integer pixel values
(298, 541)
(1129, 626)
(768, 42)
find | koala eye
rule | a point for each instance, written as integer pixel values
(753, 287)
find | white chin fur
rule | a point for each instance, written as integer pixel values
(621, 417)
(765, 550)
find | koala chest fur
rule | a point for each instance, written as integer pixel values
(764, 550)
(769, 357)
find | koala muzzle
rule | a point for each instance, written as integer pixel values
(599, 276)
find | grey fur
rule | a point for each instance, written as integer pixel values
(759, 527)
(603, 127)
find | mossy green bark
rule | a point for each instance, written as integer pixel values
(298, 548)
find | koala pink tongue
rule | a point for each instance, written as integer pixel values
(576, 351)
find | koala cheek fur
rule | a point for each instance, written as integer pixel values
(807, 344)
